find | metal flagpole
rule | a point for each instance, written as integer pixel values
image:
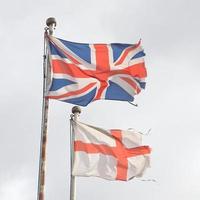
(51, 23)
(76, 110)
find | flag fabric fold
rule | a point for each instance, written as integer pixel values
(109, 154)
(82, 73)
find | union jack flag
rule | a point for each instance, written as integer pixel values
(82, 73)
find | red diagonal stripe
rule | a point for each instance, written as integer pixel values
(136, 70)
(132, 84)
(125, 53)
(76, 92)
(74, 60)
(61, 67)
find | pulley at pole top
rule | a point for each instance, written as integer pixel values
(51, 24)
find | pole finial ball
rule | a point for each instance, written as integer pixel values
(50, 21)
(76, 109)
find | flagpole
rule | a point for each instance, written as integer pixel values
(76, 110)
(51, 23)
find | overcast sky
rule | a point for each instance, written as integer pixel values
(170, 105)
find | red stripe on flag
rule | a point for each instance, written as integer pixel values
(84, 89)
(136, 70)
(125, 53)
(102, 67)
(136, 151)
(60, 67)
(102, 57)
(70, 57)
(132, 84)
(103, 86)
(93, 148)
(122, 162)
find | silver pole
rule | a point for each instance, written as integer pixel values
(51, 23)
(76, 110)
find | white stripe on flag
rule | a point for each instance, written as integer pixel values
(89, 135)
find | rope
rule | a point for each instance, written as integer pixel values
(148, 180)
(146, 133)
(136, 105)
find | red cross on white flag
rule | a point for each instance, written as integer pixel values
(112, 155)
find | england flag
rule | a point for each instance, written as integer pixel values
(109, 154)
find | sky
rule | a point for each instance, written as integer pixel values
(170, 104)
